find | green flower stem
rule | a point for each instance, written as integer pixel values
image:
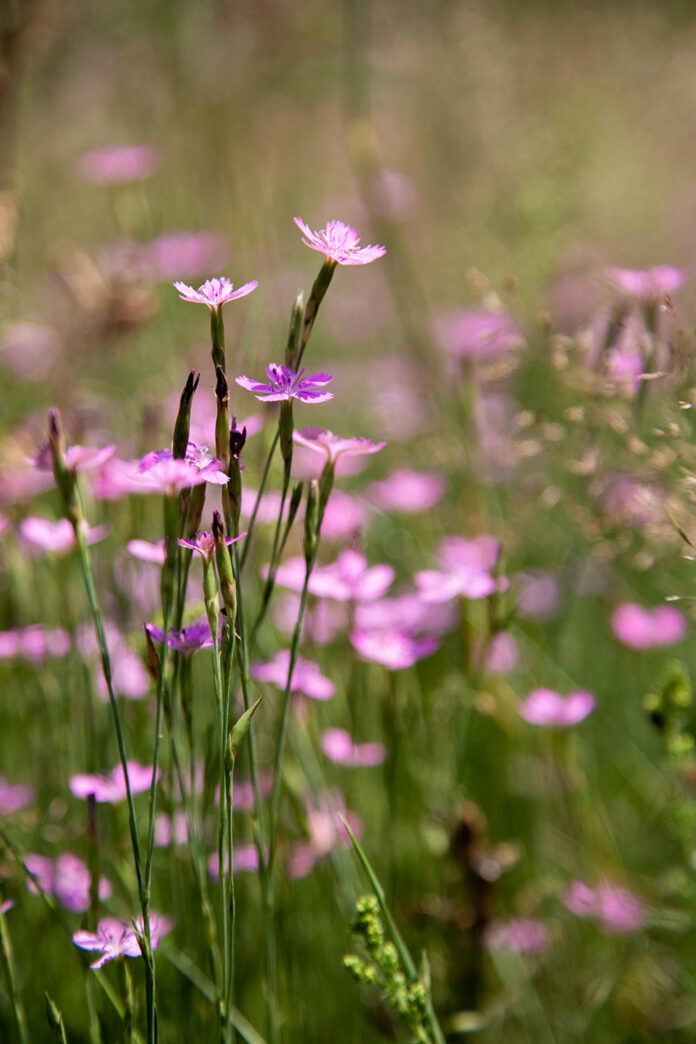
(217, 337)
(8, 969)
(319, 288)
(262, 485)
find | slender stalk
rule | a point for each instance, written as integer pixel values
(8, 968)
(262, 485)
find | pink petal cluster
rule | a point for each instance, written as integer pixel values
(539, 595)
(58, 536)
(147, 552)
(333, 446)
(159, 472)
(616, 910)
(203, 543)
(649, 284)
(214, 292)
(394, 649)
(467, 565)
(15, 796)
(188, 640)
(182, 253)
(306, 676)
(518, 935)
(326, 832)
(408, 612)
(546, 707)
(285, 384)
(339, 747)
(245, 860)
(114, 938)
(129, 675)
(477, 333)
(112, 788)
(344, 517)
(172, 831)
(34, 644)
(339, 243)
(408, 492)
(118, 164)
(640, 628)
(68, 879)
(77, 458)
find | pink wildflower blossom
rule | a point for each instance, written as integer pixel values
(68, 879)
(245, 860)
(617, 910)
(348, 579)
(147, 552)
(344, 517)
(477, 333)
(502, 654)
(546, 707)
(114, 938)
(409, 492)
(58, 536)
(117, 164)
(395, 650)
(159, 472)
(339, 243)
(129, 676)
(6, 906)
(539, 595)
(112, 788)
(77, 458)
(518, 935)
(326, 832)
(214, 292)
(30, 349)
(204, 543)
(407, 612)
(339, 747)
(180, 253)
(333, 446)
(306, 676)
(34, 644)
(285, 384)
(186, 641)
(647, 285)
(640, 628)
(468, 564)
(15, 796)
(171, 831)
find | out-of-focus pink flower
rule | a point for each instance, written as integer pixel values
(467, 565)
(185, 254)
(285, 384)
(502, 654)
(617, 910)
(345, 515)
(339, 747)
(77, 458)
(243, 792)
(625, 368)
(147, 552)
(128, 673)
(408, 612)
(29, 349)
(393, 195)
(630, 502)
(326, 832)
(408, 492)
(539, 595)
(518, 935)
(117, 164)
(6, 906)
(245, 860)
(477, 333)
(306, 676)
(322, 622)
(68, 879)
(348, 579)
(649, 284)
(394, 649)
(171, 831)
(269, 505)
(214, 292)
(112, 788)
(333, 446)
(640, 628)
(159, 472)
(34, 644)
(56, 536)
(15, 796)
(546, 707)
(16, 486)
(114, 938)
(339, 243)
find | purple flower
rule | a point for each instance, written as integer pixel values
(477, 333)
(285, 384)
(648, 285)
(640, 628)
(188, 640)
(204, 543)
(395, 650)
(68, 879)
(112, 788)
(114, 938)
(339, 747)
(56, 536)
(617, 910)
(117, 164)
(409, 492)
(468, 564)
(339, 243)
(214, 292)
(546, 707)
(14, 797)
(518, 935)
(160, 472)
(326, 832)
(306, 676)
(333, 446)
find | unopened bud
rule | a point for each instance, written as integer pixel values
(240, 729)
(294, 343)
(228, 588)
(65, 479)
(311, 521)
(222, 418)
(237, 438)
(183, 417)
(152, 656)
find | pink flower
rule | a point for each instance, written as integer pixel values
(467, 564)
(322, 622)
(68, 879)
(409, 492)
(339, 747)
(648, 285)
(344, 517)
(34, 644)
(394, 649)
(502, 654)
(114, 938)
(129, 676)
(408, 612)
(285, 384)
(214, 292)
(159, 472)
(204, 543)
(77, 458)
(118, 164)
(245, 860)
(640, 628)
(147, 552)
(326, 832)
(546, 707)
(306, 676)
(14, 797)
(6, 907)
(30, 349)
(56, 536)
(339, 243)
(171, 831)
(333, 446)
(112, 788)
(617, 910)
(183, 253)
(539, 595)
(518, 935)
(477, 333)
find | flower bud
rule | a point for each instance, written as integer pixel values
(292, 348)
(311, 521)
(228, 587)
(183, 417)
(222, 419)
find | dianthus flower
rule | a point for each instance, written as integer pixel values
(339, 243)
(112, 788)
(546, 707)
(245, 860)
(339, 747)
(56, 536)
(409, 492)
(77, 458)
(188, 640)
(285, 384)
(114, 938)
(640, 628)
(204, 543)
(617, 910)
(326, 832)
(477, 333)
(68, 879)
(468, 565)
(147, 552)
(214, 292)
(333, 446)
(160, 472)
(396, 650)
(518, 935)
(348, 579)
(306, 676)
(118, 164)
(34, 643)
(14, 796)
(649, 284)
